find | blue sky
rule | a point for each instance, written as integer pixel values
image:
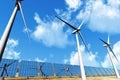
(52, 41)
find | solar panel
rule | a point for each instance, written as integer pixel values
(103, 72)
(70, 70)
(46, 69)
(28, 68)
(59, 69)
(87, 71)
(77, 70)
(10, 66)
(33, 68)
(107, 72)
(98, 71)
(111, 71)
(93, 71)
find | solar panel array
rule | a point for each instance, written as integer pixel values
(32, 68)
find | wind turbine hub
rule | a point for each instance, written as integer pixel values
(17, 3)
(76, 31)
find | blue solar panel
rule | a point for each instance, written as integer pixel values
(11, 67)
(87, 71)
(96, 71)
(59, 70)
(70, 70)
(77, 70)
(28, 68)
(111, 71)
(46, 69)
(32, 68)
(92, 71)
(107, 72)
(103, 72)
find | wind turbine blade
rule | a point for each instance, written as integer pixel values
(84, 43)
(103, 41)
(82, 23)
(114, 54)
(67, 23)
(6, 72)
(11, 63)
(25, 25)
(108, 40)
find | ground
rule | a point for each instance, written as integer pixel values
(64, 78)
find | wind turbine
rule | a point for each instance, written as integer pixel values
(109, 49)
(7, 31)
(77, 31)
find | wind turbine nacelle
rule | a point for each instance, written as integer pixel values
(106, 45)
(76, 31)
(19, 0)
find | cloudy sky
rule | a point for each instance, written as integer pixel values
(52, 41)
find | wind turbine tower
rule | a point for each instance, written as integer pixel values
(8, 28)
(109, 49)
(78, 32)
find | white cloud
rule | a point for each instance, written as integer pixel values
(85, 12)
(50, 33)
(10, 52)
(114, 3)
(12, 42)
(40, 60)
(87, 59)
(57, 11)
(116, 50)
(106, 63)
(103, 17)
(66, 61)
(73, 4)
(37, 18)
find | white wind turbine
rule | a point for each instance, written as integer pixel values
(8, 28)
(109, 49)
(77, 31)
